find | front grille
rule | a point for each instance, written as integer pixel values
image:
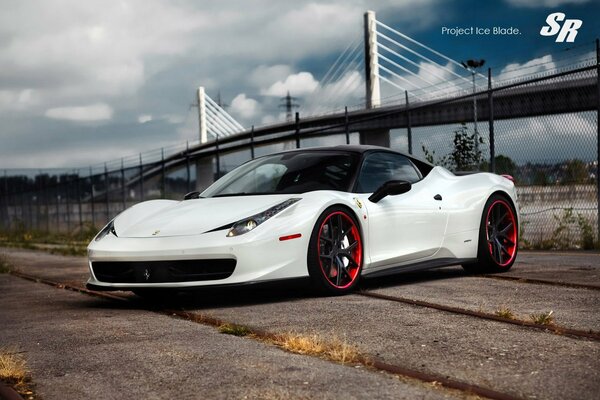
(163, 271)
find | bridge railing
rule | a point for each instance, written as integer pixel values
(542, 130)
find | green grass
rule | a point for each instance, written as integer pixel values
(505, 312)
(544, 318)
(69, 244)
(235, 330)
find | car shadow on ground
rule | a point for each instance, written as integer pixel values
(410, 278)
(265, 293)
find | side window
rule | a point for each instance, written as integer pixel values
(379, 168)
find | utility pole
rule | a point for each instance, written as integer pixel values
(471, 66)
(289, 103)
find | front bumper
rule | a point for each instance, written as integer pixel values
(257, 258)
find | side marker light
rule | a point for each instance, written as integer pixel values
(288, 237)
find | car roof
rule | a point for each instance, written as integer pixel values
(353, 148)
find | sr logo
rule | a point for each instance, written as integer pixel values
(567, 32)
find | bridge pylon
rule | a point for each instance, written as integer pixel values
(201, 95)
(373, 93)
(379, 137)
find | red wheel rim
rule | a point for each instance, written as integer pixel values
(340, 250)
(501, 232)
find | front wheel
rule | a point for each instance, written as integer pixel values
(335, 253)
(498, 237)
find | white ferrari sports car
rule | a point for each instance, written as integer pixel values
(331, 214)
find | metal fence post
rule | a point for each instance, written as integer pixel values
(38, 202)
(491, 123)
(187, 166)
(141, 179)
(107, 189)
(252, 142)
(92, 199)
(79, 201)
(123, 186)
(408, 123)
(5, 201)
(346, 127)
(47, 201)
(297, 130)
(28, 196)
(36, 197)
(57, 196)
(67, 204)
(598, 136)
(162, 173)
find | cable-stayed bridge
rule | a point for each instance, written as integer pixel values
(375, 79)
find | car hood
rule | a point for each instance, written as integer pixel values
(191, 217)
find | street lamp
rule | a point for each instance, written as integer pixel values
(471, 66)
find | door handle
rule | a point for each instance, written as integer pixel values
(437, 197)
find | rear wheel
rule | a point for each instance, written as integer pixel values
(335, 253)
(498, 237)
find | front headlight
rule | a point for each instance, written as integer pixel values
(109, 228)
(248, 224)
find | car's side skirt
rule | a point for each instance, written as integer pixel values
(435, 263)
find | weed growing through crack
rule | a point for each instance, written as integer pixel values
(333, 349)
(14, 372)
(235, 330)
(544, 318)
(505, 312)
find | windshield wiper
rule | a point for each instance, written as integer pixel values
(192, 195)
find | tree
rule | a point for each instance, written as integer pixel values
(576, 171)
(504, 165)
(464, 155)
(540, 178)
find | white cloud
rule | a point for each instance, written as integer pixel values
(173, 118)
(296, 84)
(244, 106)
(533, 66)
(265, 75)
(348, 90)
(92, 112)
(142, 119)
(18, 100)
(92, 50)
(146, 56)
(544, 3)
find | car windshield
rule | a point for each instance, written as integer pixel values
(294, 172)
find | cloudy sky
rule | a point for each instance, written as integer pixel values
(84, 82)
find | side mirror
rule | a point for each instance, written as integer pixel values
(390, 188)
(192, 195)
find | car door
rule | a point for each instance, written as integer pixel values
(403, 227)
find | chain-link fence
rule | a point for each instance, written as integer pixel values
(542, 130)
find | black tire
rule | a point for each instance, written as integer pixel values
(335, 256)
(498, 237)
